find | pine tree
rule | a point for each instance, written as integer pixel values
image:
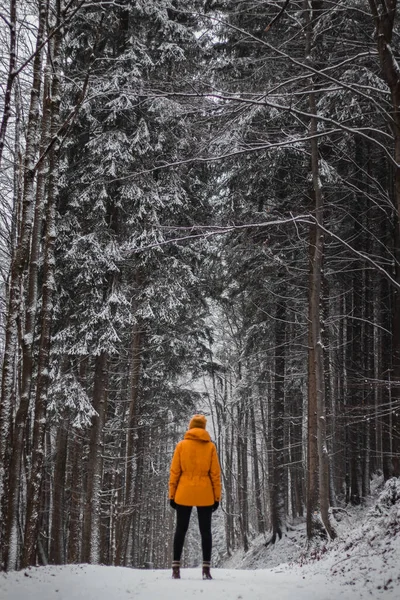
(125, 301)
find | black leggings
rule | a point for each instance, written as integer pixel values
(182, 524)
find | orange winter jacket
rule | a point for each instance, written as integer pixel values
(195, 474)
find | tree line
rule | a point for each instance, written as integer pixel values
(200, 211)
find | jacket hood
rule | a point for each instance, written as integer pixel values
(199, 434)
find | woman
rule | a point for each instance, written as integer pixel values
(195, 480)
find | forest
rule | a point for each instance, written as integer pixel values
(200, 212)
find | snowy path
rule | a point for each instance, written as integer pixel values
(86, 582)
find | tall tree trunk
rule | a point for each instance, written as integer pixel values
(316, 335)
(134, 552)
(75, 508)
(125, 519)
(256, 473)
(91, 527)
(312, 422)
(384, 14)
(276, 469)
(57, 537)
(242, 476)
(227, 474)
(12, 24)
(18, 264)
(39, 426)
(316, 360)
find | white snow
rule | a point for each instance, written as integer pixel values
(363, 562)
(365, 557)
(89, 582)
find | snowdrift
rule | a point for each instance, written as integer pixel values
(365, 556)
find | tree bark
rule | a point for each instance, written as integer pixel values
(277, 485)
(39, 426)
(384, 14)
(242, 477)
(57, 537)
(256, 473)
(12, 24)
(312, 423)
(18, 264)
(91, 526)
(316, 364)
(125, 519)
(318, 379)
(76, 489)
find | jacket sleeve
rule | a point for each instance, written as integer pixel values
(215, 475)
(175, 472)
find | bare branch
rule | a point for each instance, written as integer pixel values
(51, 35)
(278, 16)
(11, 74)
(210, 159)
(308, 219)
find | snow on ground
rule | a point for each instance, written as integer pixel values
(259, 556)
(368, 554)
(365, 556)
(363, 562)
(91, 582)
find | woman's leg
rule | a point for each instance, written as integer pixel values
(182, 524)
(204, 515)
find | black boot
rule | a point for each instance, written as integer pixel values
(206, 570)
(176, 572)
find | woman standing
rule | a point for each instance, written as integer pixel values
(195, 480)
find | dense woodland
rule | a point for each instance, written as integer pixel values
(199, 212)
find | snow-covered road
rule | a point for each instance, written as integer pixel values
(86, 582)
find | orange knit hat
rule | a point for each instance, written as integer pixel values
(198, 421)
